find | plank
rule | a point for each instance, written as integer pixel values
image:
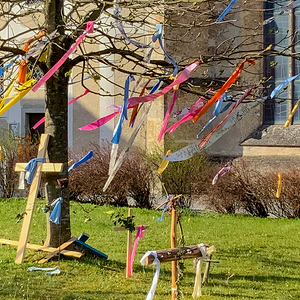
(46, 167)
(62, 247)
(94, 251)
(75, 254)
(33, 192)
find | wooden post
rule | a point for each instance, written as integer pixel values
(33, 192)
(173, 246)
(207, 267)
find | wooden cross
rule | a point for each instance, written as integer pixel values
(33, 192)
(129, 243)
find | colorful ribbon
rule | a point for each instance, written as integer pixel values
(118, 14)
(225, 12)
(204, 253)
(55, 214)
(118, 129)
(81, 161)
(282, 85)
(164, 164)
(167, 116)
(73, 100)
(140, 234)
(194, 110)
(279, 186)
(51, 271)
(289, 120)
(42, 120)
(243, 97)
(217, 111)
(8, 65)
(184, 75)
(163, 212)
(192, 149)
(224, 88)
(31, 167)
(158, 36)
(181, 112)
(99, 122)
(221, 173)
(123, 115)
(22, 91)
(156, 262)
(89, 29)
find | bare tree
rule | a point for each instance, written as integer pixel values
(186, 22)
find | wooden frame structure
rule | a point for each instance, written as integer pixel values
(22, 244)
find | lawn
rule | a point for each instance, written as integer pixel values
(258, 258)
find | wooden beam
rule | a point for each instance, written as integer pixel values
(46, 167)
(33, 192)
(59, 249)
(75, 254)
(175, 254)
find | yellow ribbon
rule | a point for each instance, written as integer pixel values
(288, 121)
(279, 185)
(22, 91)
(164, 164)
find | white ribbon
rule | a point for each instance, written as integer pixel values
(204, 252)
(155, 278)
(51, 271)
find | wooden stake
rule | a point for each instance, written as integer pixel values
(173, 245)
(31, 200)
(129, 247)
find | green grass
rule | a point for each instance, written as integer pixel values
(258, 258)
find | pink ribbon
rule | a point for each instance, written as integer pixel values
(185, 75)
(222, 172)
(140, 234)
(167, 116)
(89, 29)
(73, 100)
(99, 122)
(41, 121)
(194, 110)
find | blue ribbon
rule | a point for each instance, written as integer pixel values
(83, 160)
(55, 215)
(31, 167)
(217, 111)
(225, 12)
(282, 85)
(163, 212)
(123, 115)
(158, 36)
(8, 65)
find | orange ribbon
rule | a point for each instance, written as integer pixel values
(24, 63)
(224, 88)
(135, 108)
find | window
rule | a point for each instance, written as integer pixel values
(30, 120)
(278, 33)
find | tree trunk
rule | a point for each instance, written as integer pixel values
(56, 123)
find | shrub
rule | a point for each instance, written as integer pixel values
(134, 179)
(13, 150)
(246, 189)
